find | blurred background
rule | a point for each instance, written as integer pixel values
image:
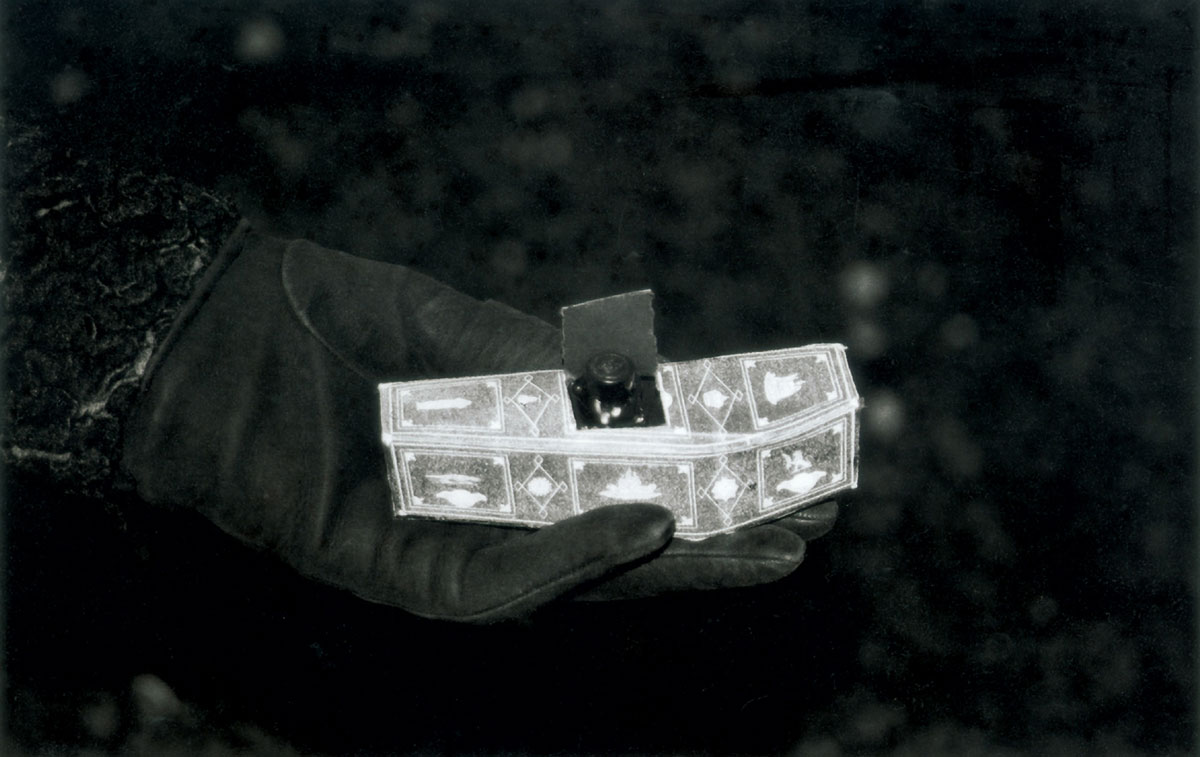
(991, 204)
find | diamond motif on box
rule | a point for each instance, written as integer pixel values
(725, 490)
(540, 486)
(531, 402)
(714, 397)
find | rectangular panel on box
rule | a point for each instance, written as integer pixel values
(401, 498)
(785, 386)
(805, 467)
(670, 394)
(609, 482)
(469, 404)
(452, 482)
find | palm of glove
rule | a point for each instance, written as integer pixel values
(262, 413)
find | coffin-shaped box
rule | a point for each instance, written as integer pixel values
(748, 438)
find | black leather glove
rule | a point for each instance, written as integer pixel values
(261, 411)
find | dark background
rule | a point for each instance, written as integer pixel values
(990, 204)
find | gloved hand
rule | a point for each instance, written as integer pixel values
(261, 411)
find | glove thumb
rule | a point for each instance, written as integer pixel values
(475, 573)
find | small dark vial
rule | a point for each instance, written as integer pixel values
(610, 394)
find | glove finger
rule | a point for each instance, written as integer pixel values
(743, 558)
(389, 323)
(812, 522)
(466, 572)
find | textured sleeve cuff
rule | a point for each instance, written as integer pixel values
(100, 265)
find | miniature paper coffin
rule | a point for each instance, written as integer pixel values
(748, 438)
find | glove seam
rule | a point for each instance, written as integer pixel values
(224, 258)
(299, 314)
(732, 558)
